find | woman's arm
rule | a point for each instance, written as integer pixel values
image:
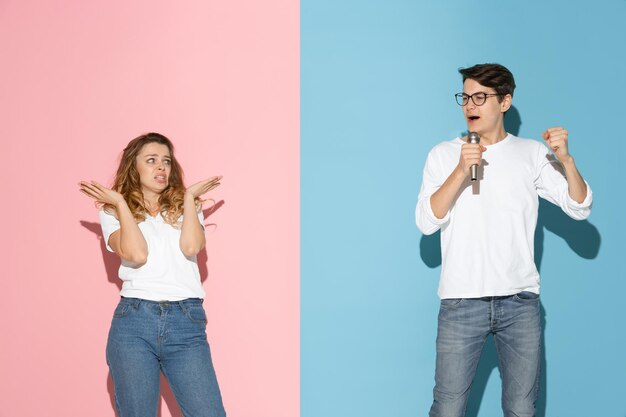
(192, 238)
(128, 242)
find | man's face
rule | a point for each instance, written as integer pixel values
(489, 117)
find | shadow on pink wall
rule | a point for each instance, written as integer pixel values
(112, 264)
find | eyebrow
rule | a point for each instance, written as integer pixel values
(153, 154)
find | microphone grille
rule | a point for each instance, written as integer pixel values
(473, 137)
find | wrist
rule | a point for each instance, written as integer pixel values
(459, 173)
(119, 203)
(567, 161)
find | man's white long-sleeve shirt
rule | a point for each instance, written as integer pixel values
(487, 237)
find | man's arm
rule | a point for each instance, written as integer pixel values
(441, 201)
(556, 139)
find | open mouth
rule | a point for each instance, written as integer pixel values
(160, 178)
(472, 118)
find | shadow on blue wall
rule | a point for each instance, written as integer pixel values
(581, 236)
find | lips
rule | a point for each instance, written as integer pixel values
(161, 179)
(472, 118)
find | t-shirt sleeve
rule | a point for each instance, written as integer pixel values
(201, 218)
(109, 224)
(432, 179)
(552, 185)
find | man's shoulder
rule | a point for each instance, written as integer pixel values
(447, 146)
(526, 143)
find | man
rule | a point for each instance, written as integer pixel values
(489, 282)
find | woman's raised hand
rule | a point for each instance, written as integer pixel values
(204, 186)
(100, 193)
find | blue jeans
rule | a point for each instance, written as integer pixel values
(464, 325)
(148, 337)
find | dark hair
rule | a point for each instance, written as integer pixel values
(493, 76)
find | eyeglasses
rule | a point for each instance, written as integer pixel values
(477, 98)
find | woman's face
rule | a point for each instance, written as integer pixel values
(154, 165)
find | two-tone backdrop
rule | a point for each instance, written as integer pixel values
(321, 293)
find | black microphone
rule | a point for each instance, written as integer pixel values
(473, 137)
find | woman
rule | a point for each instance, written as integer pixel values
(156, 227)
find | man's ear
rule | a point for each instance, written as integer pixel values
(506, 103)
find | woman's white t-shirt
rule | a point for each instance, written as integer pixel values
(167, 275)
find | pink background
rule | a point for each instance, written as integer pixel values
(78, 80)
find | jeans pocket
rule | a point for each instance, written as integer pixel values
(451, 302)
(196, 314)
(526, 297)
(121, 310)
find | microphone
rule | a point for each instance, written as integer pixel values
(473, 137)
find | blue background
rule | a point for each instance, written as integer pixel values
(377, 85)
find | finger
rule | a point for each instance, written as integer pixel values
(471, 146)
(99, 186)
(554, 129)
(556, 145)
(205, 188)
(472, 152)
(211, 187)
(88, 187)
(562, 132)
(558, 138)
(473, 160)
(89, 195)
(214, 183)
(207, 182)
(84, 184)
(84, 191)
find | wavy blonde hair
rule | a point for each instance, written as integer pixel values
(127, 182)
